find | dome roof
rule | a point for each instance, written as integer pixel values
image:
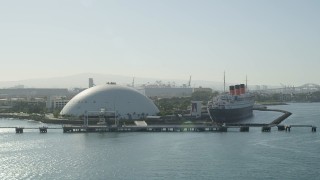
(127, 102)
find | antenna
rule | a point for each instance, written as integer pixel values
(133, 82)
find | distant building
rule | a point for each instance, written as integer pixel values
(201, 89)
(32, 92)
(56, 103)
(5, 104)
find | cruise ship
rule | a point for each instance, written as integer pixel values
(231, 107)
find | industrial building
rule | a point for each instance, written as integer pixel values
(56, 102)
(32, 92)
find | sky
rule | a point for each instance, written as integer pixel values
(270, 41)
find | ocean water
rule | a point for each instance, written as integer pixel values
(166, 155)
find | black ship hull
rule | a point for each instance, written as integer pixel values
(230, 115)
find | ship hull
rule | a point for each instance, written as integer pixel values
(230, 115)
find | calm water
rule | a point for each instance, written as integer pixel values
(166, 155)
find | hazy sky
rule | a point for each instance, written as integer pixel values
(271, 41)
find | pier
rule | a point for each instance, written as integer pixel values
(161, 128)
(242, 127)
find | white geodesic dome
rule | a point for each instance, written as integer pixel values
(127, 102)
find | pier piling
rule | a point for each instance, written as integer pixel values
(288, 128)
(43, 129)
(19, 130)
(222, 129)
(281, 127)
(244, 129)
(266, 129)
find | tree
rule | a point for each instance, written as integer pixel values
(204, 96)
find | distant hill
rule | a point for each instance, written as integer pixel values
(81, 81)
